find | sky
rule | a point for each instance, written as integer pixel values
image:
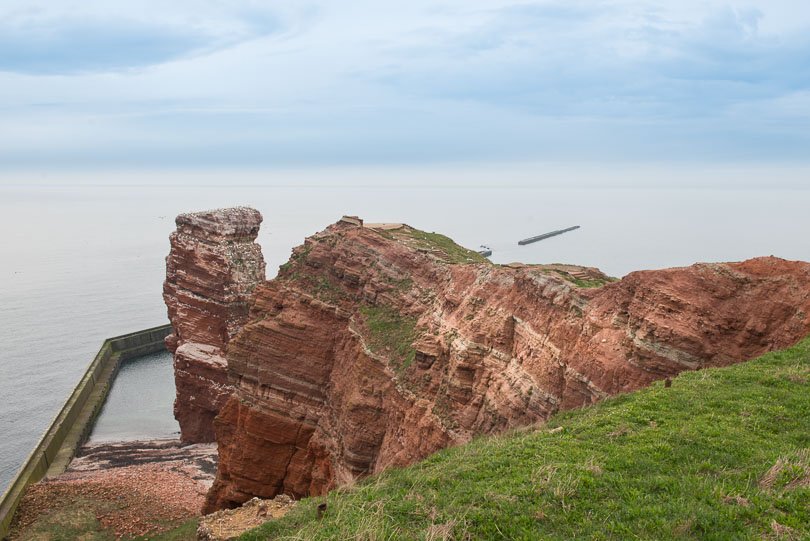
(241, 83)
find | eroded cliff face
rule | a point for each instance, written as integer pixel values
(377, 346)
(211, 271)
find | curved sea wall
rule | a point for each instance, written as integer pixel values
(73, 423)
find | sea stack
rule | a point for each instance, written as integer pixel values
(211, 271)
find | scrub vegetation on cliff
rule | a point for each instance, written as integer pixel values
(437, 244)
(721, 454)
(391, 333)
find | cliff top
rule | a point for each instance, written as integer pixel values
(221, 224)
(433, 247)
(436, 244)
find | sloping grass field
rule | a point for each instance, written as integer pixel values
(722, 454)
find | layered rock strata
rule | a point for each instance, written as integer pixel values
(211, 271)
(376, 346)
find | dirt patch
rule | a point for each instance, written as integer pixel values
(230, 523)
(118, 490)
(737, 500)
(619, 432)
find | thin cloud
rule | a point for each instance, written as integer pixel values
(421, 81)
(70, 46)
(577, 61)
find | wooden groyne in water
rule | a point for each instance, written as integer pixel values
(73, 423)
(546, 235)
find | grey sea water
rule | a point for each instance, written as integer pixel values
(80, 263)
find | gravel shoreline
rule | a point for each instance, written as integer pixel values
(126, 488)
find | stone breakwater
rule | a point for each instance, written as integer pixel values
(211, 271)
(377, 346)
(74, 421)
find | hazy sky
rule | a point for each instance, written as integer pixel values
(248, 83)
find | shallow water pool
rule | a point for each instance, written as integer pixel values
(140, 402)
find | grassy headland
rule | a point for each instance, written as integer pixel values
(721, 454)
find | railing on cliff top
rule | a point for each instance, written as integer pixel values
(72, 425)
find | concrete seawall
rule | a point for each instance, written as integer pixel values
(73, 423)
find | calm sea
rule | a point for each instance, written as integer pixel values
(83, 263)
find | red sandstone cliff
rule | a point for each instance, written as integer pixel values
(211, 272)
(376, 347)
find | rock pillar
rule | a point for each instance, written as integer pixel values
(211, 272)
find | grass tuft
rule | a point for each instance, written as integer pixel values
(390, 333)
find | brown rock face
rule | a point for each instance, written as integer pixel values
(211, 272)
(375, 347)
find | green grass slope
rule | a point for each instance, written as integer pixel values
(722, 454)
